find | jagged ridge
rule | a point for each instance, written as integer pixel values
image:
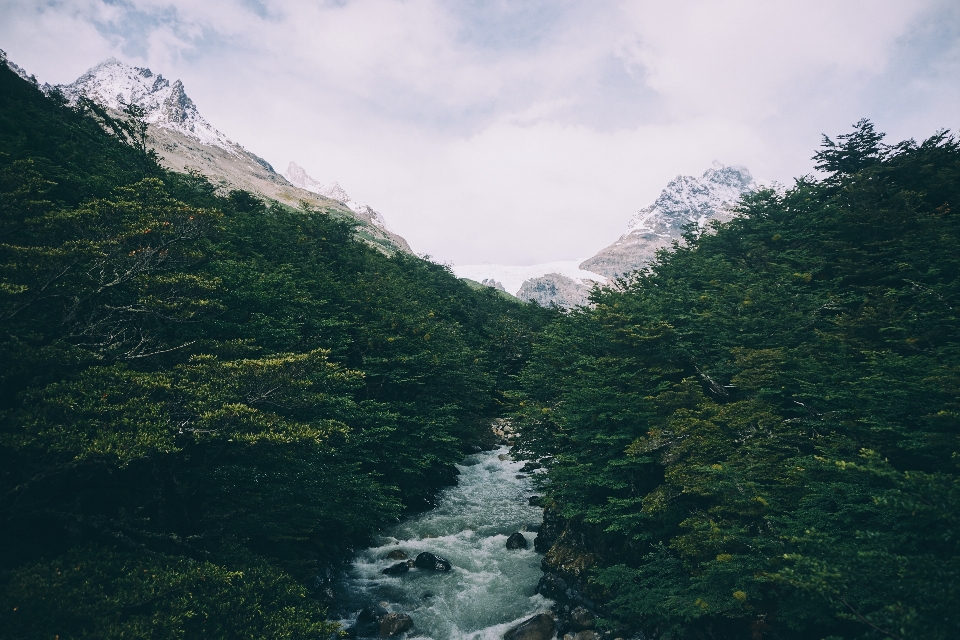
(685, 200)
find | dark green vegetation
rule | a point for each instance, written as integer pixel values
(204, 397)
(758, 435)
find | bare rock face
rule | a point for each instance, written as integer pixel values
(555, 289)
(539, 627)
(686, 200)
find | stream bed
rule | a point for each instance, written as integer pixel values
(490, 588)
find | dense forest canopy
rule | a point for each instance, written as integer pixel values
(757, 436)
(205, 397)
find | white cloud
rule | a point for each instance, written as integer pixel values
(519, 131)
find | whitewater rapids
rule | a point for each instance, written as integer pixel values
(489, 589)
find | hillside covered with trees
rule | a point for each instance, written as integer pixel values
(757, 436)
(207, 398)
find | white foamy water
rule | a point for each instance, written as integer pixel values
(490, 588)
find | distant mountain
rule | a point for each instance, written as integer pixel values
(685, 200)
(297, 176)
(184, 140)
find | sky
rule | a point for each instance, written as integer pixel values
(520, 131)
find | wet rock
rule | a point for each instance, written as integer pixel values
(531, 466)
(552, 586)
(393, 624)
(397, 554)
(533, 528)
(582, 619)
(503, 457)
(539, 627)
(519, 476)
(550, 530)
(368, 622)
(587, 635)
(432, 562)
(397, 569)
(516, 541)
(535, 501)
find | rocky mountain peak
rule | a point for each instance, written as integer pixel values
(115, 84)
(688, 199)
(685, 200)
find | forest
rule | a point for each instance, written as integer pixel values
(208, 399)
(757, 435)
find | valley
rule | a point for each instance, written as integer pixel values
(237, 404)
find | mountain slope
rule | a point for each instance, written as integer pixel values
(297, 176)
(207, 398)
(685, 200)
(185, 141)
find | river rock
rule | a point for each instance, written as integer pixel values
(535, 501)
(432, 561)
(503, 457)
(539, 627)
(397, 554)
(587, 635)
(516, 541)
(552, 586)
(394, 624)
(531, 466)
(368, 622)
(582, 619)
(397, 569)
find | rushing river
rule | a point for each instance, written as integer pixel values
(490, 587)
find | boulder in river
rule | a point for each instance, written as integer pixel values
(432, 562)
(516, 541)
(393, 624)
(535, 501)
(397, 554)
(396, 569)
(368, 622)
(581, 619)
(539, 627)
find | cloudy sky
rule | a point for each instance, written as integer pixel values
(520, 131)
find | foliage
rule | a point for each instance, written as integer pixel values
(763, 424)
(208, 384)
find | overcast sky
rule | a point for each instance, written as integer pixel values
(520, 131)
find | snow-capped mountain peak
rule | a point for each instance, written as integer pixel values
(298, 177)
(115, 84)
(690, 199)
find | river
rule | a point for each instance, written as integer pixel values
(490, 587)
